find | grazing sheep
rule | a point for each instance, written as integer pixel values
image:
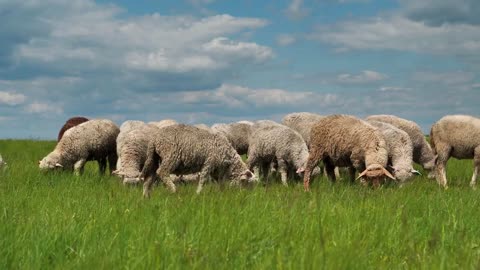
(125, 128)
(422, 152)
(92, 140)
(456, 136)
(346, 141)
(74, 121)
(182, 149)
(163, 123)
(236, 133)
(280, 145)
(301, 122)
(132, 153)
(400, 150)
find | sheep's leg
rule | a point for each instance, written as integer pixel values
(102, 165)
(476, 167)
(337, 172)
(282, 168)
(147, 186)
(78, 167)
(252, 164)
(112, 162)
(351, 174)
(203, 178)
(313, 159)
(164, 174)
(330, 168)
(443, 155)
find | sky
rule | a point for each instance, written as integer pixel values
(214, 61)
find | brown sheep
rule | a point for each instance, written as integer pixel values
(74, 121)
(346, 141)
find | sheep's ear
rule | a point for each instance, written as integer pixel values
(58, 165)
(248, 174)
(415, 172)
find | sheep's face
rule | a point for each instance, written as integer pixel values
(404, 174)
(128, 177)
(247, 177)
(375, 174)
(50, 162)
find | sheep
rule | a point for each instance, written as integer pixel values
(236, 133)
(270, 144)
(182, 149)
(400, 150)
(456, 136)
(346, 141)
(125, 128)
(301, 122)
(132, 153)
(163, 123)
(94, 139)
(422, 152)
(74, 121)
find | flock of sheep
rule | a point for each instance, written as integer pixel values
(378, 147)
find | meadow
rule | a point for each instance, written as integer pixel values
(61, 221)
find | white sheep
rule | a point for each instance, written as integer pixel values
(422, 152)
(132, 152)
(280, 145)
(125, 128)
(182, 149)
(301, 122)
(92, 140)
(456, 136)
(236, 133)
(346, 141)
(400, 150)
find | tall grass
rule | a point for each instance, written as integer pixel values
(57, 220)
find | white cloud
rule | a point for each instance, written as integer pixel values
(365, 77)
(438, 12)
(444, 78)
(394, 89)
(43, 108)
(285, 39)
(399, 33)
(11, 98)
(296, 11)
(244, 97)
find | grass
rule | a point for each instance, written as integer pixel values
(60, 221)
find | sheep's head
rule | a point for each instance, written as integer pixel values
(50, 162)
(128, 177)
(375, 174)
(248, 177)
(403, 174)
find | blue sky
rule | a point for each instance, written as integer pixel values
(209, 61)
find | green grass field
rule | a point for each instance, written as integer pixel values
(60, 221)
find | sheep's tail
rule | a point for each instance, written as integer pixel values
(151, 164)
